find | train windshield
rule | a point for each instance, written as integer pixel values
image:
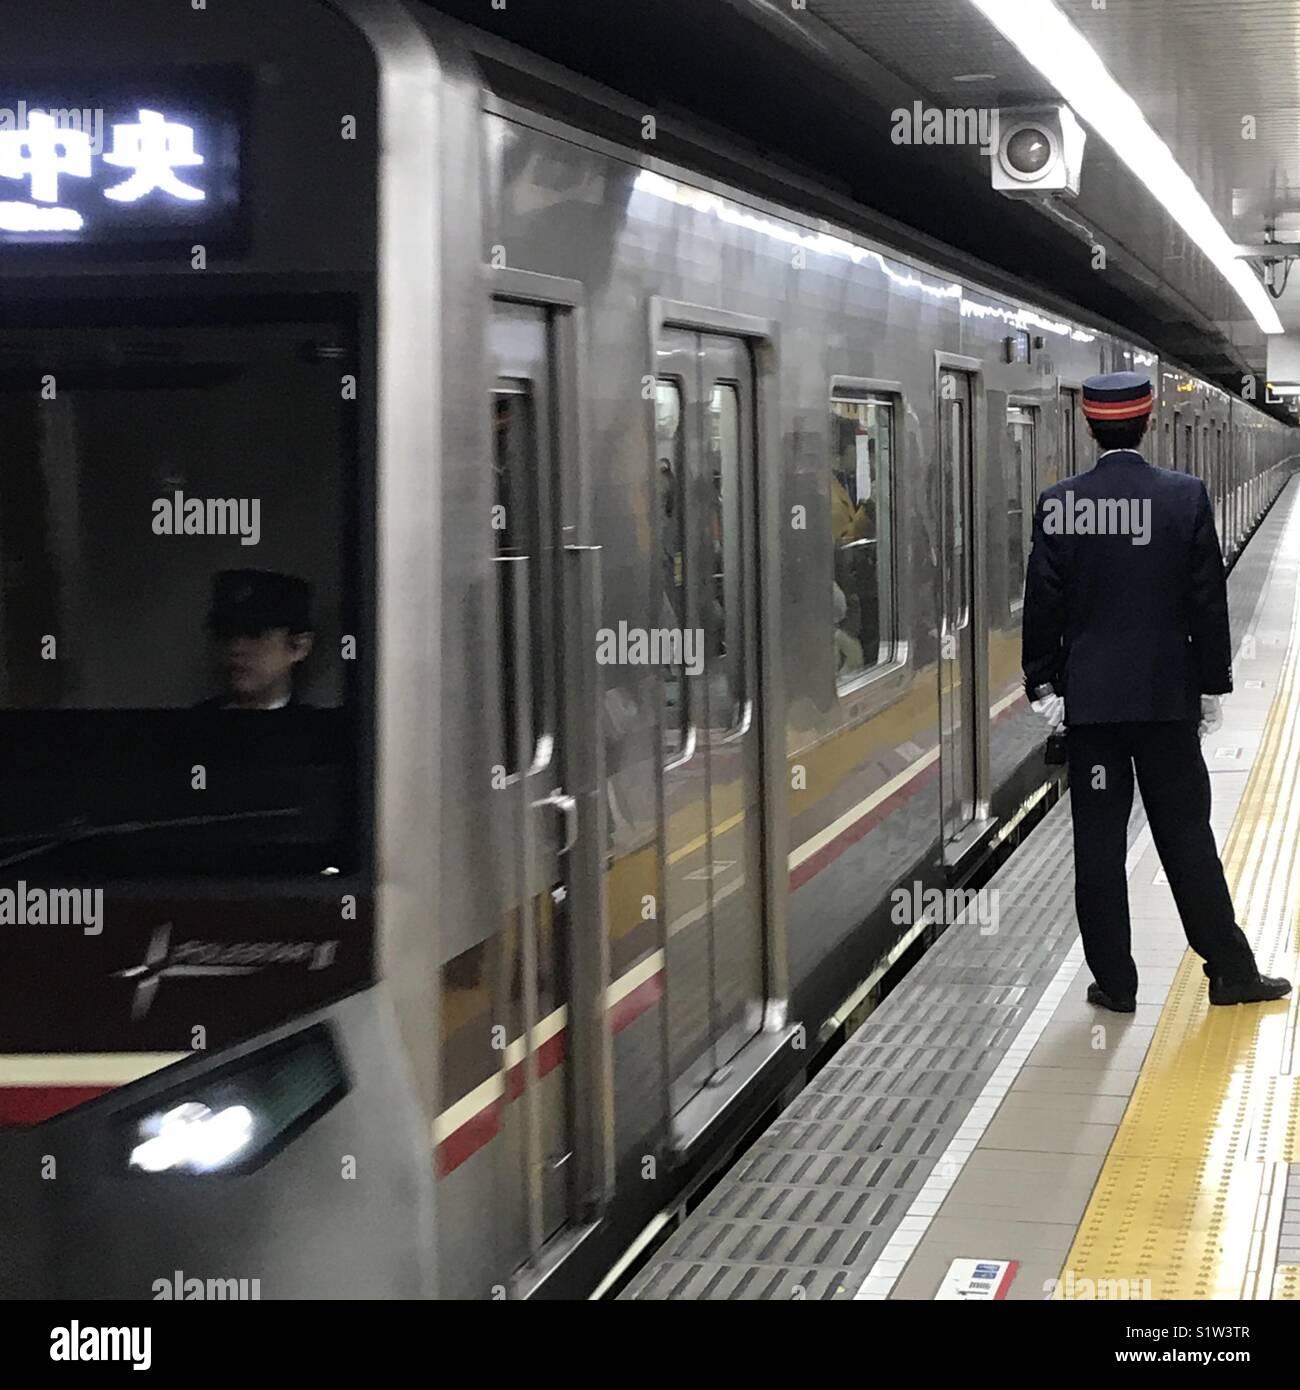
(179, 563)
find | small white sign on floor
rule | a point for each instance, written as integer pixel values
(972, 1279)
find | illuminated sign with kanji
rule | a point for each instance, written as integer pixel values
(148, 170)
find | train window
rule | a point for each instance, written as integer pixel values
(862, 472)
(178, 539)
(669, 445)
(516, 522)
(1020, 468)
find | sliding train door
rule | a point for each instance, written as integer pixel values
(713, 913)
(963, 634)
(553, 975)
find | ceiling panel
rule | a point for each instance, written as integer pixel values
(1197, 68)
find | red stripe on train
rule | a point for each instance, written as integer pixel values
(467, 1139)
(29, 1105)
(481, 1128)
(636, 1001)
(851, 834)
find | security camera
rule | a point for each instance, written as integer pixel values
(1039, 150)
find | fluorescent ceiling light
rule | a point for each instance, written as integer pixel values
(1069, 62)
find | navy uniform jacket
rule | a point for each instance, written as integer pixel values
(1127, 631)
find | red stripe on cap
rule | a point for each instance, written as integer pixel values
(1118, 410)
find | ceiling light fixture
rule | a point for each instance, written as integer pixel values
(1069, 62)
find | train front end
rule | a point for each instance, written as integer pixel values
(202, 418)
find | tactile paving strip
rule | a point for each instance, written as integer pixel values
(809, 1209)
(1288, 1245)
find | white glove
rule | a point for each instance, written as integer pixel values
(1051, 708)
(1211, 715)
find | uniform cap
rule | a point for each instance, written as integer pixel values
(249, 602)
(1118, 396)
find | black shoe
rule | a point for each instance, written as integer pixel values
(1257, 991)
(1099, 997)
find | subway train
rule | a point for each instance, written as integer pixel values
(665, 527)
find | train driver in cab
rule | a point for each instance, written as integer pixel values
(260, 624)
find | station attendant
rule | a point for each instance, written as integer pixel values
(1125, 639)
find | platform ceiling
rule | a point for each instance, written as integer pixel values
(1220, 83)
(813, 90)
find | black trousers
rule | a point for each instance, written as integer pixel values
(1176, 793)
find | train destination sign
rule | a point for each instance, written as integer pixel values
(146, 168)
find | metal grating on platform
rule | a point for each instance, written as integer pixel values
(807, 1211)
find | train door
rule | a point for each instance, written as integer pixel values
(713, 910)
(547, 765)
(961, 720)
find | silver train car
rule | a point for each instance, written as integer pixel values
(666, 529)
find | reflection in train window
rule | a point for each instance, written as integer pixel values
(670, 461)
(515, 525)
(862, 464)
(1020, 466)
(724, 610)
(1069, 437)
(955, 447)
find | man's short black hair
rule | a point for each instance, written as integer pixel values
(1119, 434)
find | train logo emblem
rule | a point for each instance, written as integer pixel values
(206, 959)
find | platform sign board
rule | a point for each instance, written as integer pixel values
(977, 1279)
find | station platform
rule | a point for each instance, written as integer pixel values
(986, 1113)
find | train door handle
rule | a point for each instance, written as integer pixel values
(744, 725)
(567, 806)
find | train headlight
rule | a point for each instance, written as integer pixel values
(192, 1137)
(234, 1117)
